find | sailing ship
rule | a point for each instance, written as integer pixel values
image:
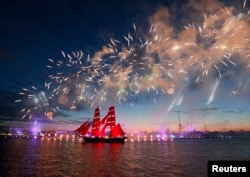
(104, 130)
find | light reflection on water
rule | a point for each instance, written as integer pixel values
(49, 157)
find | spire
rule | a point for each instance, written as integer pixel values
(180, 126)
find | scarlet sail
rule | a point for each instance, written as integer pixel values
(83, 129)
(96, 123)
(110, 117)
(99, 128)
(117, 131)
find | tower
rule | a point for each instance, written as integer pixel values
(180, 126)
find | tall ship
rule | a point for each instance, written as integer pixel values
(104, 130)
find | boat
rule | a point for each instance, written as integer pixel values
(104, 130)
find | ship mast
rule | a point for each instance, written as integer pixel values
(96, 123)
(109, 119)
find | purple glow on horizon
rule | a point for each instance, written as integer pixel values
(35, 129)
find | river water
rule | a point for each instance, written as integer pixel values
(61, 157)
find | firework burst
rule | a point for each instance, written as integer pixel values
(76, 79)
(160, 60)
(36, 102)
(134, 68)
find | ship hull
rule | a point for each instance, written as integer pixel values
(104, 140)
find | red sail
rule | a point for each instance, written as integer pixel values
(84, 131)
(117, 131)
(108, 120)
(110, 117)
(102, 132)
(103, 121)
(81, 127)
(96, 123)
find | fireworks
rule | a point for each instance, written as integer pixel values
(36, 102)
(76, 79)
(118, 72)
(159, 60)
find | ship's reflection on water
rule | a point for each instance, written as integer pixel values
(71, 157)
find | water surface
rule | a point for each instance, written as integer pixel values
(177, 158)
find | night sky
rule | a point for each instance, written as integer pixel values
(152, 60)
